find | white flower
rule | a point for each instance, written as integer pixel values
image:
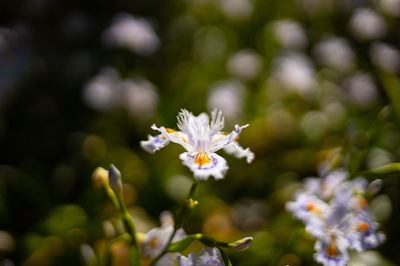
(290, 33)
(366, 24)
(245, 64)
(139, 96)
(385, 56)
(228, 96)
(335, 211)
(335, 52)
(100, 92)
(295, 72)
(132, 33)
(207, 257)
(157, 239)
(201, 139)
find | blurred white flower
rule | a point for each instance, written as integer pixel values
(135, 34)
(106, 90)
(208, 257)
(390, 7)
(366, 24)
(378, 157)
(290, 33)
(227, 96)
(156, 240)
(139, 97)
(245, 64)
(100, 92)
(295, 72)
(361, 88)
(336, 53)
(237, 9)
(385, 56)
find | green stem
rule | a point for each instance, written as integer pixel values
(164, 251)
(383, 170)
(127, 219)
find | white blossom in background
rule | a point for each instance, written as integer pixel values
(106, 90)
(290, 34)
(295, 72)
(385, 56)
(390, 7)
(201, 138)
(336, 212)
(139, 97)
(155, 240)
(135, 34)
(207, 257)
(100, 92)
(361, 88)
(336, 53)
(366, 24)
(237, 9)
(227, 96)
(245, 64)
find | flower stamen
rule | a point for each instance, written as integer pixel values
(202, 158)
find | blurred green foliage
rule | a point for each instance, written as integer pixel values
(306, 106)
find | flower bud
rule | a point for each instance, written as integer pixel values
(192, 203)
(100, 176)
(241, 244)
(375, 186)
(114, 177)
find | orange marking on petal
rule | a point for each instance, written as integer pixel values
(312, 208)
(363, 226)
(202, 158)
(362, 203)
(332, 249)
(170, 131)
(153, 242)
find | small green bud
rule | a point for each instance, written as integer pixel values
(241, 244)
(114, 177)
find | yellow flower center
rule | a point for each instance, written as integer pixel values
(363, 226)
(202, 158)
(312, 208)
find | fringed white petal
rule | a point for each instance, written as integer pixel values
(153, 144)
(217, 121)
(174, 136)
(331, 256)
(238, 151)
(210, 256)
(223, 141)
(212, 165)
(190, 260)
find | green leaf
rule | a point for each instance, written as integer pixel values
(181, 245)
(391, 84)
(225, 257)
(391, 168)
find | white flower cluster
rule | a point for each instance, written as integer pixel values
(336, 211)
